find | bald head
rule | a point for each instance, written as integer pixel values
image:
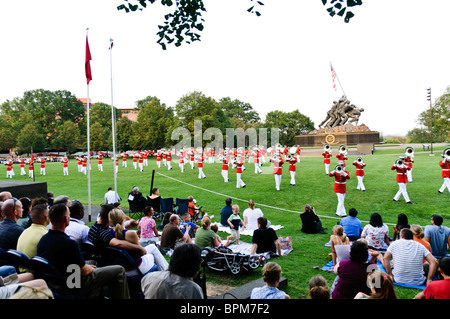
(12, 208)
(5, 195)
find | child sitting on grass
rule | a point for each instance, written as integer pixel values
(234, 221)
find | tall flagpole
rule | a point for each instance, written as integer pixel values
(113, 125)
(333, 70)
(88, 57)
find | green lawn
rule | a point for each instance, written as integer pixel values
(313, 187)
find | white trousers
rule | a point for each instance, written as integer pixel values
(124, 164)
(340, 210)
(141, 166)
(30, 173)
(158, 163)
(42, 171)
(445, 184)
(100, 167)
(200, 173)
(257, 168)
(79, 168)
(65, 171)
(409, 175)
(402, 191)
(135, 165)
(239, 182)
(169, 165)
(192, 164)
(22, 171)
(117, 168)
(181, 165)
(225, 175)
(292, 177)
(277, 181)
(327, 169)
(9, 174)
(151, 258)
(360, 183)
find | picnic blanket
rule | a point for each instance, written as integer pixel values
(327, 267)
(245, 248)
(385, 246)
(246, 232)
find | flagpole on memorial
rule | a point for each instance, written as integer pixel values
(334, 75)
(113, 125)
(88, 79)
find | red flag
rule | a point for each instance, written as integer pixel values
(333, 76)
(32, 158)
(87, 64)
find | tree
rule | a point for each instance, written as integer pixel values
(289, 124)
(440, 112)
(124, 134)
(67, 138)
(185, 23)
(29, 138)
(241, 114)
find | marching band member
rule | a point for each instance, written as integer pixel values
(359, 163)
(141, 162)
(158, 159)
(409, 152)
(65, 162)
(340, 188)
(116, 163)
(342, 156)
(224, 168)
(256, 162)
(181, 163)
(292, 168)
(83, 165)
(239, 164)
(135, 161)
(191, 158)
(326, 158)
(42, 172)
(100, 163)
(79, 164)
(30, 169)
(169, 160)
(278, 162)
(9, 169)
(445, 166)
(124, 160)
(22, 167)
(298, 152)
(146, 158)
(402, 180)
(200, 160)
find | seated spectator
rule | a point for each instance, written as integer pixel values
(376, 232)
(171, 234)
(438, 289)
(77, 230)
(30, 237)
(402, 222)
(154, 200)
(62, 199)
(187, 221)
(153, 260)
(265, 239)
(408, 256)
(271, 273)
(136, 200)
(318, 288)
(381, 286)
(192, 209)
(352, 274)
(111, 196)
(147, 228)
(205, 237)
(61, 252)
(418, 236)
(226, 212)
(215, 229)
(165, 220)
(340, 245)
(438, 236)
(251, 215)
(311, 223)
(352, 225)
(100, 236)
(9, 230)
(176, 283)
(8, 291)
(25, 220)
(51, 198)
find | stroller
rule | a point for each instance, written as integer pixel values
(224, 259)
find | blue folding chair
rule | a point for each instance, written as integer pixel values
(182, 205)
(167, 205)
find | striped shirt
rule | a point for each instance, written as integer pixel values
(408, 258)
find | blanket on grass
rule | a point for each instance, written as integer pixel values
(245, 232)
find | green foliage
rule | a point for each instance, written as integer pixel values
(289, 124)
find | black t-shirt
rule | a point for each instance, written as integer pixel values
(265, 239)
(60, 251)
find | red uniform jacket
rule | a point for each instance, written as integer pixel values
(292, 162)
(340, 182)
(200, 162)
(341, 159)
(401, 173)
(408, 162)
(100, 160)
(65, 163)
(445, 168)
(225, 165)
(326, 157)
(278, 167)
(239, 167)
(359, 168)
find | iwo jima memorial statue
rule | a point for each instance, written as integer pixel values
(340, 127)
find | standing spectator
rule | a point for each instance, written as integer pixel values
(235, 222)
(226, 212)
(438, 236)
(438, 289)
(61, 251)
(9, 230)
(352, 273)
(376, 232)
(176, 283)
(251, 215)
(352, 225)
(265, 239)
(408, 265)
(271, 273)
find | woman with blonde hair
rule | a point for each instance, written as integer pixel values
(340, 245)
(381, 286)
(251, 215)
(204, 236)
(271, 275)
(419, 237)
(153, 260)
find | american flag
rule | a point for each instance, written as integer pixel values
(333, 76)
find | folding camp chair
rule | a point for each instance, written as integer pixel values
(182, 205)
(167, 205)
(156, 204)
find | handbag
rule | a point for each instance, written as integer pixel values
(286, 242)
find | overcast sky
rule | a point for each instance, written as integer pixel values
(385, 58)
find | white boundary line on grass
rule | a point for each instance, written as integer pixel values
(243, 200)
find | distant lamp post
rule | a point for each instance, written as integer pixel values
(431, 120)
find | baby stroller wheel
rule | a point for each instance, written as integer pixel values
(254, 262)
(235, 268)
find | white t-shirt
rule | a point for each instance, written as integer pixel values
(408, 258)
(252, 217)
